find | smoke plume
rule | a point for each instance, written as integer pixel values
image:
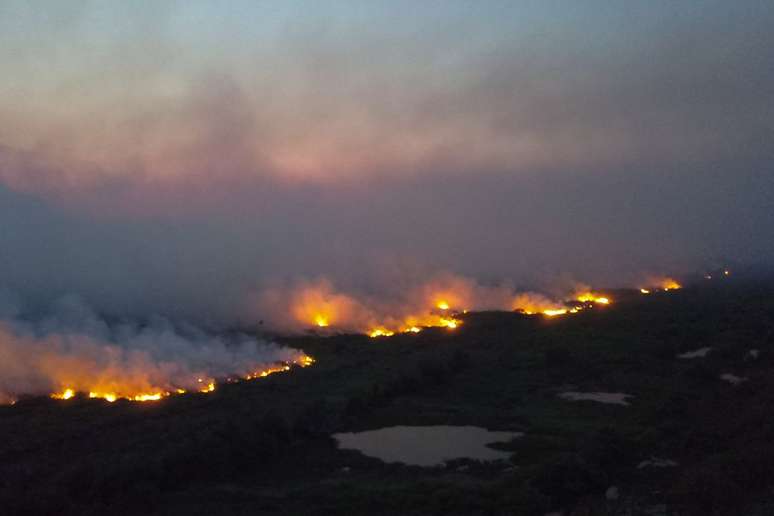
(71, 347)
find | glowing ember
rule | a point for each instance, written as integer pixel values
(435, 303)
(438, 314)
(205, 385)
(530, 303)
(7, 400)
(670, 284)
(208, 388)
(430, 322)
(272, 370)
(449, 323)
(315, 303)
(590, 297)
(150, 397)
(64, 395)
(381, 332)
(109, 396)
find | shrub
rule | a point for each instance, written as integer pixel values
(568, 478)
(355, 407)
(317, 418)
(460, 361)
(433, 371)
(704, 491)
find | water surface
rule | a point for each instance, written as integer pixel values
(427, 445)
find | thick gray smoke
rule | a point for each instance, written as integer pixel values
(539, 144)
(71, 347)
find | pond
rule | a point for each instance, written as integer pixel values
(427, 445)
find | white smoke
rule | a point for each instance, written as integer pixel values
(297, 305)
(70, 346)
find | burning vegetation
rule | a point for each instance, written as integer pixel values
(669, 284)
(660, 284)
(71, 352)
(593, 298)
(204, 385)
(149, 364)
(318, 307)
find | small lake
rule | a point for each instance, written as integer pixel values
(427, 445)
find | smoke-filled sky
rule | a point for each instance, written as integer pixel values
(181, 157)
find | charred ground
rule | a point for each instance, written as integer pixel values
(263, 447)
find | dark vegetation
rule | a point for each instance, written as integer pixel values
(264, 447)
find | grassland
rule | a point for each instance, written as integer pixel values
(263, 447)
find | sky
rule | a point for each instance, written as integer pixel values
(177, 157)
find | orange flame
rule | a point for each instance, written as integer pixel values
(670, 284)
(206, 385)
(664, 284)
(591, 297)
(449, 323)
(64, 395)
(412, 307)
(380, 332)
